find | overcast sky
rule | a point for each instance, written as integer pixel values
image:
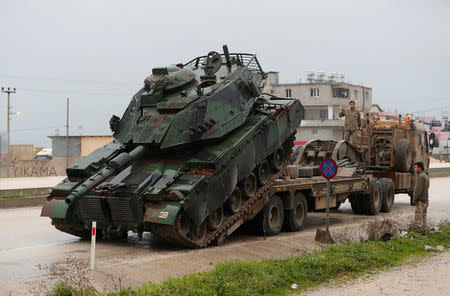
(98, 53)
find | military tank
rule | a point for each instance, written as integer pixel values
(196, 148)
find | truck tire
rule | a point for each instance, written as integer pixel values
(272, 216)
(403, 155)
(296, 218)
(388, 194)
(356, 201)
(372, 203)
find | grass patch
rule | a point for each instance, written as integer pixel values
(12, 196)
(275, 276)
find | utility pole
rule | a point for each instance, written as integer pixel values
(67, 135)
(9, 91)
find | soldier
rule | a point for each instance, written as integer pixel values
(352, 122)
(420, 194)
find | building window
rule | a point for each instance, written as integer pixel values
(272, 91)
(367, 95)
(314, 92)
(339, 92)
(288, 92)
(323, 114)
(356, 94)
(314, 132)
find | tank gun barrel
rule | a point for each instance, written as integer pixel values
(116, 165)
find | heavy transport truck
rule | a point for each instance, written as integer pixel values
(369, 174)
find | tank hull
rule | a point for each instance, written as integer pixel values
(198, 186)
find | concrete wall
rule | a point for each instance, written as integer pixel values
(38, 168)
(91, 143)
(59, 146)
(21, 152)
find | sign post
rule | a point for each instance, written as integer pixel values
(328, 169)
(93, 235)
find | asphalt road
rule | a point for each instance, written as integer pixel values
(28, 241)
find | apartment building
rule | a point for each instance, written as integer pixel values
(322, 96)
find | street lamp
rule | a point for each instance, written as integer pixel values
(9, 91)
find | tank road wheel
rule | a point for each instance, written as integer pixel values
(198, 233)
(214, 221)
(296, 218)
(273, 216)
(233, 203)
(372, 203)
(277, 159)
(388, 194)
(403, 155)
(249, 186)
(263, 172)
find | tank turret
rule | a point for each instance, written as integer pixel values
(204, 99)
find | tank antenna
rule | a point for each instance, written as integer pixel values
(227, 56)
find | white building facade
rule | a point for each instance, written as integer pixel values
(322, 100)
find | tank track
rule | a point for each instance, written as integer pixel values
(173, 233)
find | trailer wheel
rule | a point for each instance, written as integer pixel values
(372, 204)
(297, 217)
(403, 155)
(388, 194)
(277, 159)
(357, 203)
(273, 216)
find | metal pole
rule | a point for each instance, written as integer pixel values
(9, 137)
(67, 135)
(93, 235)
(8, 159)
(328, 205)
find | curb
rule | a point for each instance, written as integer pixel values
(31, 197)
(19, 202)
(439, 172)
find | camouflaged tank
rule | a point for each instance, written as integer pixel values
(196, 148)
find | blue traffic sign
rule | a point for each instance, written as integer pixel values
(328, 168)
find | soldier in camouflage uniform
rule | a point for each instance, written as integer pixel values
(420, 194)
(352, 122)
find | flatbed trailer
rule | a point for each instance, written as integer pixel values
(384, 156)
